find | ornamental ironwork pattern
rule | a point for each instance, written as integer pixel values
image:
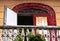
(33, 10)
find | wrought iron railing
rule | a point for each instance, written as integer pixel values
(9, 33)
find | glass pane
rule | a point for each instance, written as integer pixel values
(33, 10)
(41, 21)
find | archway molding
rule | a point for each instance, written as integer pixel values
(51, 13)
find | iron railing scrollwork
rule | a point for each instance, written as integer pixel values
(9, 33)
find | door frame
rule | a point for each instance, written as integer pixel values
(39, 15)
(49, 9)
(48, 22)
(51, 13)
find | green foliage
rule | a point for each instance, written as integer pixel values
(18, 37)
(32, 37)
(36, 37)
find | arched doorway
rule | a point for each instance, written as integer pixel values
(37, 9)
(28, 6)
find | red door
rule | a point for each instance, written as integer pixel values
(46, 17)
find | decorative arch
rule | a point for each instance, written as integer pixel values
(51, 13)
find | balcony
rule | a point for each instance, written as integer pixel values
(9, 33)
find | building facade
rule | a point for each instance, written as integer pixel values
(39, 12)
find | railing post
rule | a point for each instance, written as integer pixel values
(9, 34)
(53, 35)
(48, 35)
(15, 33)
(22, 34)
(33, 31)
(4, 35)
(27, 34)
(58, 35)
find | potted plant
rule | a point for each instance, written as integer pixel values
(31, 36)
(36, 37)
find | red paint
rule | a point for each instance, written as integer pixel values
(51, 17)
(38, 15)
(56, 35)
(34, 22)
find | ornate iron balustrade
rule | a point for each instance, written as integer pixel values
(9, 33)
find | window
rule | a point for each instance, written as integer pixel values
(33, 10)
